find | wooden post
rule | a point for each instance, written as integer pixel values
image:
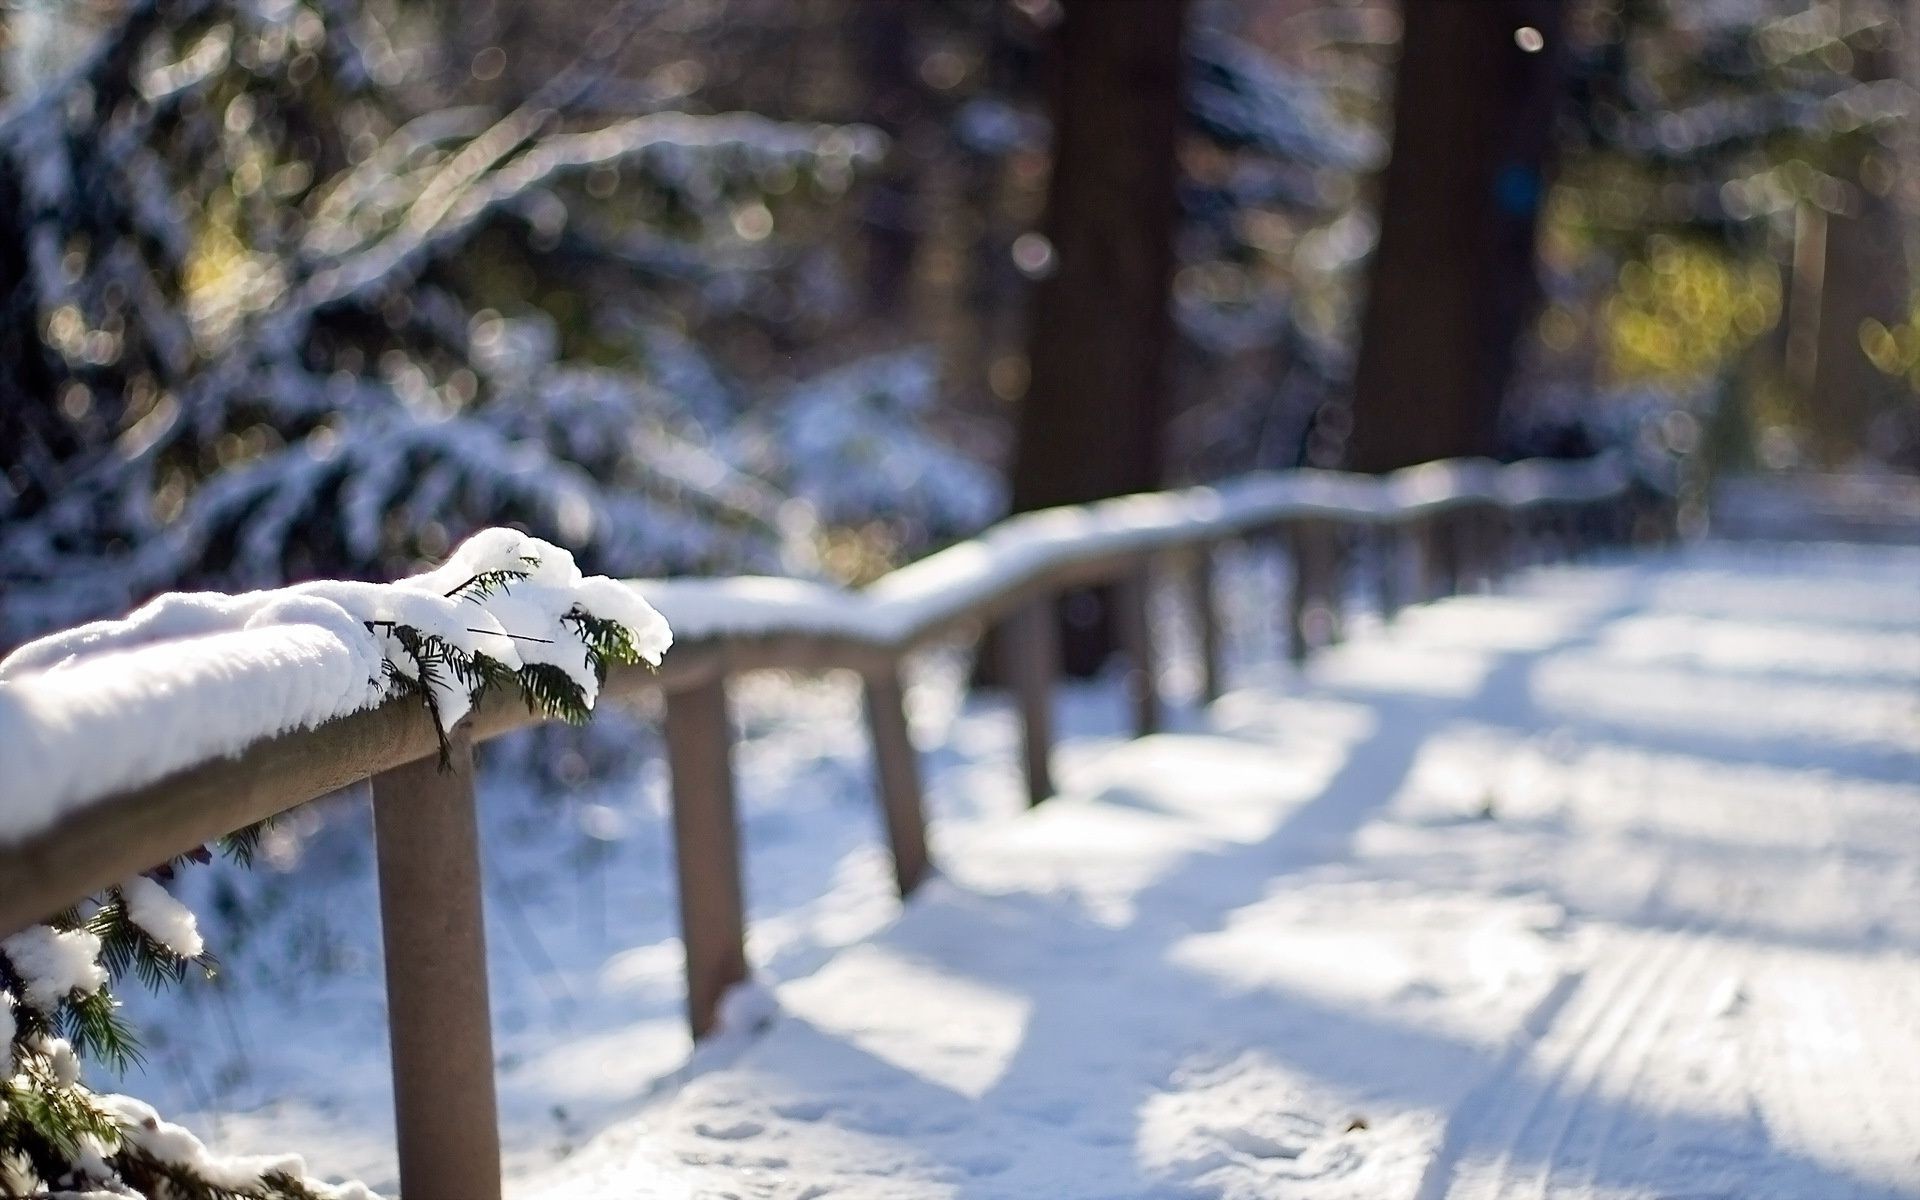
(1470, 549)
(1030, 640)
(1134, 594)
(1299, 595)
(1559, 532)
(427, 844)
(896, 770)
(706, 842)
(1312, 609)
(1390, 544)
(1333, 573)
(1274, 541)
(1206, 620)
(1500, 538)
(1442, 555)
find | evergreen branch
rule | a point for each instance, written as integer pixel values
(97, 1030)
(482, 584)
(48, 1121)
(551, 692)
(608, 643)
(153, 1176)
(518, 637)
(241, 845)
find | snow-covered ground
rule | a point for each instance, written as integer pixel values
(1617, 871)
(287, 1048)
(1607, 886)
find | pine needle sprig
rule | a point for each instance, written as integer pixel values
(435, 660)
(48, 1121)
(126, 947)
(242, 845)
(155, 1177)
(608, 643)
(551, 692)
(483, 584)
(94, 1025)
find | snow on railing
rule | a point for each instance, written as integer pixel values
(919, 599)
(126, 743)
(187, 678)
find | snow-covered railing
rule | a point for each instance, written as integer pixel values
(69, 829)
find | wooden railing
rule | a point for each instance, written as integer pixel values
(1438, 528)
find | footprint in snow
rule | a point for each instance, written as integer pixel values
(1256, 1144)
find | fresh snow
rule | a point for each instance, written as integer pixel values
(54, 963)
(905, 603)
(1422, 967)
(141, 1126)
(1604, 887)
(191, 677)
(161, 917)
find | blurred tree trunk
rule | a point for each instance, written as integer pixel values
(1865, 278)
(890, 213)
(1453, 282)
(1099, 326)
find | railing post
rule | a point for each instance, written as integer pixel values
(706, 842)
(1134, 595)
(1559, 533)
(896, 769)
(1206, 620)
(1312, 614)
(1030, 641)
(1390, 546)
(1500, 539)
(1333, 568)
(1441, 555)
(427, 844)
(1299, 595)
(1481, 530)
(1474, 537)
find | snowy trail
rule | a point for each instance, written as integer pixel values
(1604, 887)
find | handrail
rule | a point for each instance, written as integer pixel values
(923, 600)
(1459, 517)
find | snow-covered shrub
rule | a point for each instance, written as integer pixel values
(854, 444)
(505, 610)
(1259, 305)
(252, 294)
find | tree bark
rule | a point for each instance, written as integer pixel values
(889, 214)
(1864, 278)
(1453, 281)
(1091, 424)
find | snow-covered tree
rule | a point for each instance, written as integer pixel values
(263, 316)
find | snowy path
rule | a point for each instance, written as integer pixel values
(1605, 887)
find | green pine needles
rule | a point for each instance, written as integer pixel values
(434, 665)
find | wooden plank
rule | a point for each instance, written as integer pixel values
(1133, 596)
(427, 843)
(896, 768)
(1030, 641)
(706, 840)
